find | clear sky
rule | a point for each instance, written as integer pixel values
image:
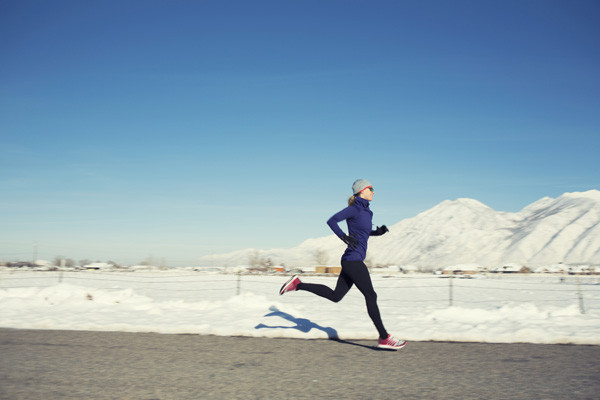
(177, 129)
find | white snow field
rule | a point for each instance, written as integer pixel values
(531, 308)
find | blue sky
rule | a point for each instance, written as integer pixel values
(177, 129)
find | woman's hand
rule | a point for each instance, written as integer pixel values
(350, 241)
(380, 230)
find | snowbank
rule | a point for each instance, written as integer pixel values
(503, 310)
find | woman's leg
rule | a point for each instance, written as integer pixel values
(344, 283)
(358, 272)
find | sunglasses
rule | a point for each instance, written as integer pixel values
(370, 188)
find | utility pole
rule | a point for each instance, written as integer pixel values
(35, 252)
(451, 296)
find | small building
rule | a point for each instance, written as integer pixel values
(322, 269)
(552, 269)
(581, 270)
(511, 268)
(279, 268)
(408, 269)
(96, 266)
(309, 270)
(463, 269)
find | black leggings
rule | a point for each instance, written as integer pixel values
(353, 273)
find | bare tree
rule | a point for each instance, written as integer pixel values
(61, 261)
(256, 260)
(321, 257)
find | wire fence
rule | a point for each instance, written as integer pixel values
(403, 290)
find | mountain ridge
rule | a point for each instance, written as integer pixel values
(465, 231)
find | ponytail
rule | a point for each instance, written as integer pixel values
(351, 200)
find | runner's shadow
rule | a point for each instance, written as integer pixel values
(305, 325)
(302, 324)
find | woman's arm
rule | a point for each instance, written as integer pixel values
(346, 213)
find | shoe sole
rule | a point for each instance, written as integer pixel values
(388, 347)
(286, 285)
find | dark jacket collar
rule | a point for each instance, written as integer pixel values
(361, 202)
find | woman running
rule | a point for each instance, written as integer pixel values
(359, 218)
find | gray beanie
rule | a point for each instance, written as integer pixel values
(359, 185)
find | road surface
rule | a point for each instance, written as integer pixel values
(48, 365)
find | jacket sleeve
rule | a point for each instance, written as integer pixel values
(346, 213)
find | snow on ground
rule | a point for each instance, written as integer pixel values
(487, 308)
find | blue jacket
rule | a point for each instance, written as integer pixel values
(359, 218)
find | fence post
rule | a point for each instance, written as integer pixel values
(239, 278)
(451, 295)
(581, 308)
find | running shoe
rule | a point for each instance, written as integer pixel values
(290, 286)
(391, 343)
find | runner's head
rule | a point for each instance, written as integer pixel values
(361, 188)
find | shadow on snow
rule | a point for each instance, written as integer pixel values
(302, 324)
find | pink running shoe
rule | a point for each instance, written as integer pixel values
(290, 285)
(391, 343)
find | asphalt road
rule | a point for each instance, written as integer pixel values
(111, 365)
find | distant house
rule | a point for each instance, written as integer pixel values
(309, 270)
(279, 268)
(552, 269)
(322, 269)
(99, 266)
(568, 269)
(582, 270)
(408, 269)
(20, 264)
(511, 269)
(463, 269)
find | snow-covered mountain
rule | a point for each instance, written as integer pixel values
(548, 231)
